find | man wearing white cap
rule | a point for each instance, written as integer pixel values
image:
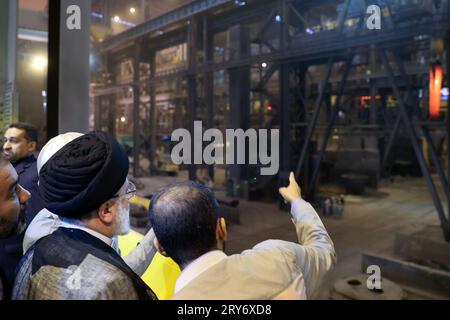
(83, 182)
(46, 222)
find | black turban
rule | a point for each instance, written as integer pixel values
(83, 175)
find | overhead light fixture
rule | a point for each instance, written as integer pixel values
(97, 15)
(445, 92)
(39, 63)
(264, 65)
(123, 119)
(117, 19)
(278, 18)
(132, 10)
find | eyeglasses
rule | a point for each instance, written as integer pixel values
(130, 191)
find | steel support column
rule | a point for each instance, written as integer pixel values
(136, 102)
(285, 125)
(239, 95)
(239, 113)
(192, 101)
(208, 47)
(153, 113)
(192, 87)
(284, 24)
(313, 121)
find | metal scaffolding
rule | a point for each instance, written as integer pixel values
(280, 36)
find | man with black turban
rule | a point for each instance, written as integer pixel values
(84, 183)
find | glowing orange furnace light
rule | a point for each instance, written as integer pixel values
(435, 89)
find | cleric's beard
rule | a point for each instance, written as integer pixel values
(123, 220)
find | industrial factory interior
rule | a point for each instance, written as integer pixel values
(313, 132)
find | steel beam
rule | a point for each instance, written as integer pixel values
(298, 14)
(342, 84)
(265, 43)
(182, 13)
(341, 23)
(267, 22)
(392, 137)
(415, 143)
(284, 24)
(396, 127)
(337, 105)
(322, 46)
(409, 88)
(327, 42)
(248, 13)
(266, 77)
(315, 116)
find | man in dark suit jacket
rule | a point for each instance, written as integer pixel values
(20, 142)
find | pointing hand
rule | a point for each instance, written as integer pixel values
(292, 192)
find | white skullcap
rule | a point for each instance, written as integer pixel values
(53, 146)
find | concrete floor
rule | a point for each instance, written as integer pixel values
(369, 222)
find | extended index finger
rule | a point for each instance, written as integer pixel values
(292, 177)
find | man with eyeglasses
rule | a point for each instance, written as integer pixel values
(85, 184)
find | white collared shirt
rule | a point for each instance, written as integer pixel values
(46, 223)
(68, 223)
(198, 266)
